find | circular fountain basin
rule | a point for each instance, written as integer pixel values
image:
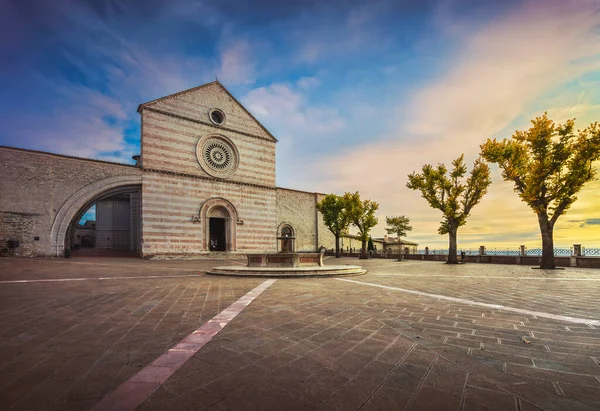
(323, 271)
(287, 265)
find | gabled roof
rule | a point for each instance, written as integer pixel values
(216, 82)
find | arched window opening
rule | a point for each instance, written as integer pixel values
(287, 239)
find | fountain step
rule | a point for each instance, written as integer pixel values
(310, 271)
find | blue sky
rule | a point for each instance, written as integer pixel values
(359, 94)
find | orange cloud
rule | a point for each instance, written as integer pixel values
(500, 77)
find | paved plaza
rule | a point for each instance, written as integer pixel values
(110, 333)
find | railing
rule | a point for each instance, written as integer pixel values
(534, 252)
(558, 252)
(502, 251)
(590, 252)
(434, 251)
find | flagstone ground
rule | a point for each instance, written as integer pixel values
(73, 331)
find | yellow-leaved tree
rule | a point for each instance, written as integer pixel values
(450, 194)
(548, 164)
(361, 214)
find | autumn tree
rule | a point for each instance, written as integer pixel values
(399, 226)
(548, 164)
(449, 193)
(335, 217)
(362, 215)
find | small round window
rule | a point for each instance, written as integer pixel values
(217, 116)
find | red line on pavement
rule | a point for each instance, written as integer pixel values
(140, 387)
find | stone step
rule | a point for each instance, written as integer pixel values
(324, 271)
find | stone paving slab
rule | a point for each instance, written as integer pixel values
(305, 343)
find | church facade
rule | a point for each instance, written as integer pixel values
(203, 186)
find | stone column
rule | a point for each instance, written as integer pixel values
(481, 250)
(576, 253)
(522, 250)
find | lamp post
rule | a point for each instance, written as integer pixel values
(399, 246)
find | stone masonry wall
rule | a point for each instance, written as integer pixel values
(19, 227)
(33, 188)
(298, 208)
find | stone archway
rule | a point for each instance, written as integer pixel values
(286, 233)
(81, 201)
(220, 215)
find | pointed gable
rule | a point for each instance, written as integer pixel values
(174, 129)
(196, 104)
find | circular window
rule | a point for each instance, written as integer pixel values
(217, 156)
(217, 116)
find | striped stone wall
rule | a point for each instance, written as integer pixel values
(196, 103)
(172, 128)
(169, 202)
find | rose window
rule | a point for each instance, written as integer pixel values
(217, 156)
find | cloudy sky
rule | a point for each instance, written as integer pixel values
(358, 93)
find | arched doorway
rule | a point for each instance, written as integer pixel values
(219, 221)
(217, 228)
(125, 224)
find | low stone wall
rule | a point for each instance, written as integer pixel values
(591, 262)
(426, 257)
(392, 256)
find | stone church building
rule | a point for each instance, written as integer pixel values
(203, 186)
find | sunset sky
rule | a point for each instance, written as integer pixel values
(359, 94)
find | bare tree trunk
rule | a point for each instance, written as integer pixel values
(547, 229)
(363, 251)
(337, 246)
(452, 258)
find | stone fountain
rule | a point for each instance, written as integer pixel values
(287, 264)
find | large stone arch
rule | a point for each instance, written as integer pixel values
(231, 221)
(80, 200)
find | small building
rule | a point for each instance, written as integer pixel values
(406, 247)
(350, 243)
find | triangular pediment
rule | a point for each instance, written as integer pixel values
(196, 104)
